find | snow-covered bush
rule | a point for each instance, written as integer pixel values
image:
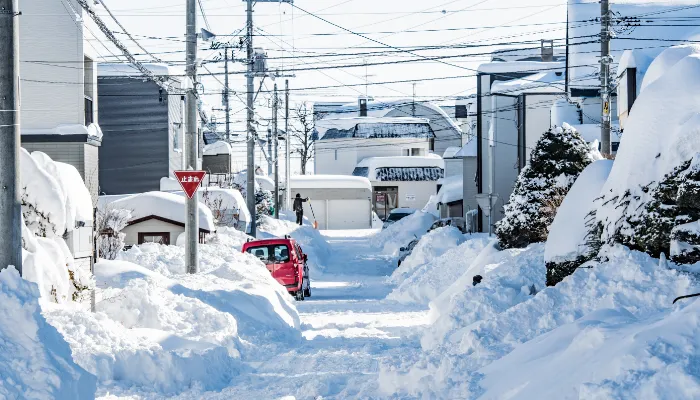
(558, 158)
(569, 243)
(110, 239)
(35, 360)
(540, 188)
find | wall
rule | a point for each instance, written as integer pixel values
(153, 225)
(352, 151)
(469, 187)
(337, 208)
(136, 146)
(218, 164)
(50, 36)
(453, 166)
(537, 109)
(176, 128)
(421, 190)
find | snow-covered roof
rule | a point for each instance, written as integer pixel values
(329, 181)
(542, 82)
(654, 32)
(369, 127)
(637, 58)
(161, 204)
(469, 149)
(265, 182)
(666, 60)
(92, 131)
(217, 148)
(516, 67)
(231, 199)
(451, 152)
(112, 69)
(451, 190)
(401, 168)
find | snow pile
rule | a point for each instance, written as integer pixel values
(569, 228)
(311, 241)
(429, 247)
(162, 330)
(451, 190)
(400, 233)
(665, 61)
(431, 278)
(43, 199)
(35, 361)
(502, 319)
(165, 205)
(217, 148)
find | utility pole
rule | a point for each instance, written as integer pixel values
(250, 190)
(413, 105)
(192, 222)
(605, 76)
(287, 165)
(275, 138)
(10, 206)
(227, 104)
(269, 152)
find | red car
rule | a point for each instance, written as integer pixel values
(285, 261)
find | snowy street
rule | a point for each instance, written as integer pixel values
(348, 326)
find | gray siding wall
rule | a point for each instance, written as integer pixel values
(469, 187)
(218, 164)
(135, 151)
(81, 155)
(176, 133)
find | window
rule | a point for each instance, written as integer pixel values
(431, 144)
(461, 111)
(417, 152)
(406, 152)
(88, 111)
(154, 237)
(269, 254)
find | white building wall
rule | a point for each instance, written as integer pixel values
(453, 166)
(538, 110)
(152, 225)
(341, 156)
(51, 64)
(412, 194)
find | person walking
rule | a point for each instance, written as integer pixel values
(299, 208)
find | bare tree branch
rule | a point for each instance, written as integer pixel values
(302, 133)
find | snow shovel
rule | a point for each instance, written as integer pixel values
(314, 215)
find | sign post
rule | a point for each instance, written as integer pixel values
(487, 202)
(190, 182)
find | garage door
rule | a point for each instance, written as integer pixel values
(319, 211)
(348, 214)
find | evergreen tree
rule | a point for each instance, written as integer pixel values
(558, 158)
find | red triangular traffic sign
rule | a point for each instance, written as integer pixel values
(190, 181)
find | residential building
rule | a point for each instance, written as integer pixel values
(58, 85)
(143, 128)
(401, 182)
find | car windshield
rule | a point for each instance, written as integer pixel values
(397, 216)
(270, 253)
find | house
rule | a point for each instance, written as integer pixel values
(216, 161)
(341, 143)
(446, 131)
(401, 182)
(143, 128)
(336, 201)
(157, 217)
(58, 85)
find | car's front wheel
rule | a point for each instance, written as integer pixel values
(299, 295)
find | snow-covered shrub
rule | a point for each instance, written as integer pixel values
(558, 158)
(264, 204)
(570, 242)
(35, 360)
(110, 239)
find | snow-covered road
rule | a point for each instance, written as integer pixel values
(348, 328)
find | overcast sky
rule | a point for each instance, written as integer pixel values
(309, 42)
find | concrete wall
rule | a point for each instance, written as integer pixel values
(132, 231)
(137, 146)
(351, 151)
(83, 156)
(51, 64)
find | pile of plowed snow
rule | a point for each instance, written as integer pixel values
(402, 232)
(35, 361)
(604, 326)
(311, 241)
(438, 260)
(158, 329)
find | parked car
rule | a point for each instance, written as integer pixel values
(286, 262)
(458, 222)
(396, 215)
(407, 250)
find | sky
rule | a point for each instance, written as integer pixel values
(325, 52)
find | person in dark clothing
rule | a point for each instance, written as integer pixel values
(299, 208)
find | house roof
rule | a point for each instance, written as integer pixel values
(370, 127)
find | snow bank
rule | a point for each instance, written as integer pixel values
(568, 230)
(666, 60)
(432, 277)
(165, 205)
(400, 233)
(311, 241)
(429, 247)
(477, 325)
(46, 196)
(35, 361)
